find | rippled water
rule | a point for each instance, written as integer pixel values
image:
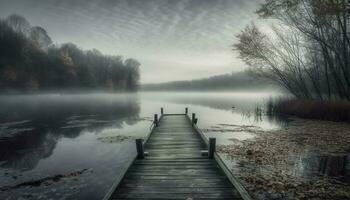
(72, 146)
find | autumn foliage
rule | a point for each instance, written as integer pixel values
(30, 61)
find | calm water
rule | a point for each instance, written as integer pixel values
(73, 146)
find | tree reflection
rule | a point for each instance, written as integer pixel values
(30, 126)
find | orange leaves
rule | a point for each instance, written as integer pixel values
(331, 8)
(66, 59)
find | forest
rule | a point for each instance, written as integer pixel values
(30, 60)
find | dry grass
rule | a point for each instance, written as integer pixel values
(335, 110)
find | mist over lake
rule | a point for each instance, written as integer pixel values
(185, 99)
(48, 134)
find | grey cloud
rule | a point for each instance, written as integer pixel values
(148, 30)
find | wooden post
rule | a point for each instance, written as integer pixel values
(212, 147)
(155, 119)
(193, 117)
(161, 111)
(186, 111)
(139, 148)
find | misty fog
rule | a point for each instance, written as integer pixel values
(164, 99)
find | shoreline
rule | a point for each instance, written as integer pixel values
(306, 160)
(328, 110)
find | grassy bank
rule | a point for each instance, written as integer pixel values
(334, 110)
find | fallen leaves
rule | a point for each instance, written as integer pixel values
(116, 138)
(47, 180)
(272, 166)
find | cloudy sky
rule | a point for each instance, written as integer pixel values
(173, 39)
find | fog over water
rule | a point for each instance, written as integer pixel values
(42, 136)
(86, 140)
(81, 80)
(179, 40)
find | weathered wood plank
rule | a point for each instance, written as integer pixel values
(203, 190)
(174, 147)
(169, 168)
(174, 177)
(176, 198)
(198, 160)
(159, 163)
(175, 167)
(177, 183)
(169, 195)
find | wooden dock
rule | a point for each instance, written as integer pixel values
(176, 161)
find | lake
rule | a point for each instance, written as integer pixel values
(72, 146)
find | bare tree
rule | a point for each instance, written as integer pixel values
(279, 60)
(40, 37)
(18, 24)
(313, 52)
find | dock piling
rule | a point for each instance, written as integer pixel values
(150, 174)
(139, 148)
(155, 121)
(212, 147)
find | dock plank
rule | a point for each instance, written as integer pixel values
(175, 167)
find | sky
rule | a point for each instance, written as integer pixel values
(172, 39)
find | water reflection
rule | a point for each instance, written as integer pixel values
(237, 102)
(331, 165)
(246, 108)
(32, 125)
(45, 135)
(263, 111)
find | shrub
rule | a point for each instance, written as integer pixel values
(333, 110)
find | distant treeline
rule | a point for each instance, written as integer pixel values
(233, 81)
(29, 60)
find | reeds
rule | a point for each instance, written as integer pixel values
(332, 110)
